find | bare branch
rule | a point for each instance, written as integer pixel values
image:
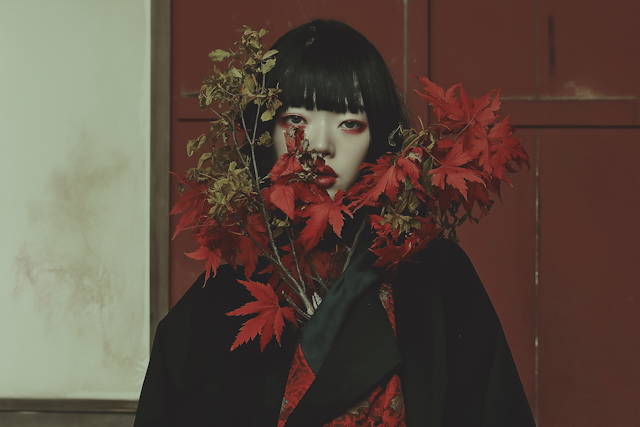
(295, 257)
(355, 244)
(295, 307)
(317, 277)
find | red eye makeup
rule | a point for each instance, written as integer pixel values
(354, 127)
(286, 120)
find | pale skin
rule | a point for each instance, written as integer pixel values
(342, 140)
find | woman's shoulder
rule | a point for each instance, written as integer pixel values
(445, 270)
(442, 257)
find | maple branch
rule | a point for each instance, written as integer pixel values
(255, 177)
(272, 242)
(295, 307)
(236, 145)
(295, 257)
(215, 112)
(355, 244)
(264, 251)
(315, 271)
(333, 261)
(433, 157)
(255, 124)
(275, 263)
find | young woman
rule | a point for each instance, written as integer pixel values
(432, 354)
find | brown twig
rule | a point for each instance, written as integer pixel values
(315, 271)
(295, 258)
(299, 289)
(295, 307)
(355, 244)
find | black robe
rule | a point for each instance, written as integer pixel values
(450, 353)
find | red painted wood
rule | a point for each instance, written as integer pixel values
(417, 58)
(571, 112)
(586, 57)
(589, 277)
(485, 45)
(590, 50)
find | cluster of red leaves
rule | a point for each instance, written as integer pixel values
(232, 240)
(419, 191)
(297, 208)
(457, 163)
(294, 192)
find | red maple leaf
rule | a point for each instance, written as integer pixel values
(475, 113)
(192, 199)
(506, 148)
(288, 163)
(479, 195)
(444, 104)
(471, 115)
(212, 255)
(320, 215)
(284, 198)
(451, 173)
(385, 178)
(248, 251)
(270, 316)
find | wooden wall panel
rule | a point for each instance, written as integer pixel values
(485, 45)
(570, 66)
(584, 44)
(589, 277)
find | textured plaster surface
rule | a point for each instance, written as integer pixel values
(74, 203)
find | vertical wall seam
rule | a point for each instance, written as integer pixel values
(537, 279)
(536, 404)
(537, 49)
(160, 134)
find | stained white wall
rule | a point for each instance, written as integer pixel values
(74, 198)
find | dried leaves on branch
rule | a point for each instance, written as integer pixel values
(437, 179)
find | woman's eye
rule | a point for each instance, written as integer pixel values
(295, 120)
(353, 126)
(291, 120)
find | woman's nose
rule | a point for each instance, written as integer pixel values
(321, 140)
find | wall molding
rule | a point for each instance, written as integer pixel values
(68, 405)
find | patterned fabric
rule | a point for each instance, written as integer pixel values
(383, 408)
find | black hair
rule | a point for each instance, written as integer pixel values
(329, 66)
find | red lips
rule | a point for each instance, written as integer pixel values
(326, 178)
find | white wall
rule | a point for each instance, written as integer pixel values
(74, 198)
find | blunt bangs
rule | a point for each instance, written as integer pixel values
(322, 83)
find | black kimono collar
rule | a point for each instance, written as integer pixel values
(349, 343)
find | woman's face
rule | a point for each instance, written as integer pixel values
(342, 139)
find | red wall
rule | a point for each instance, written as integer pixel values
(560, 257)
